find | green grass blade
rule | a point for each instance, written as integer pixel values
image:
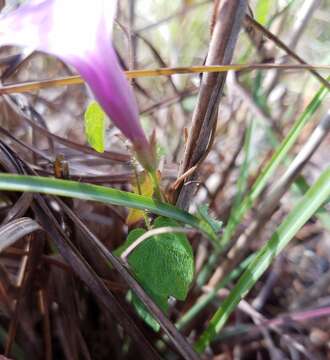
(279, 156)
(302, 212)
(322, 214)
(281, 153)
(234, 216)
(75, 189)
(241, 189)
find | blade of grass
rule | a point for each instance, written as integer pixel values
(241, 188)
(279, 155)
(103, 194)
(302, 212)
(301, 186)
(15, 230)
(241, 183)
(259, 185)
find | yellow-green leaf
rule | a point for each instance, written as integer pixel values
(145, 187)
(95, 126)
(262, 11)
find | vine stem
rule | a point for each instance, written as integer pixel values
(149, 234)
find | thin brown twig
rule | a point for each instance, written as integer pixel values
(225, 174)
(251, 22)
(44, 310)
(303, 16)
(261, 322)
(173, 16)
(21, 283)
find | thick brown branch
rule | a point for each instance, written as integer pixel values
(224, 37)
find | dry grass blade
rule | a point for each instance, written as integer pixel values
(68, 327)
(15, 230)
(87, 275)
(30, 115)
(19, 208)
(49, 223)
(174, 335)
(135, 74)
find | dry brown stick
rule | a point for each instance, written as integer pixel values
(17, 303)
(224, 37)
(190, 171)
(44, 310)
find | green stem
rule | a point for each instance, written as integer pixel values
(155, 183)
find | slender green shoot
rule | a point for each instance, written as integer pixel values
(278, 157)
(317, 195)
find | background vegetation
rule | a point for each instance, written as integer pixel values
(265, 177)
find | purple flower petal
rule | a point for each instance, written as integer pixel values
(79, 32)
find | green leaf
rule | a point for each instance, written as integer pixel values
(163, 265)
(95, 126)
(160, 300)
(203, 213)
(262, 11)
(131, 237)
(144, 313)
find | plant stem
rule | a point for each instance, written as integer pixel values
(157, 191)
